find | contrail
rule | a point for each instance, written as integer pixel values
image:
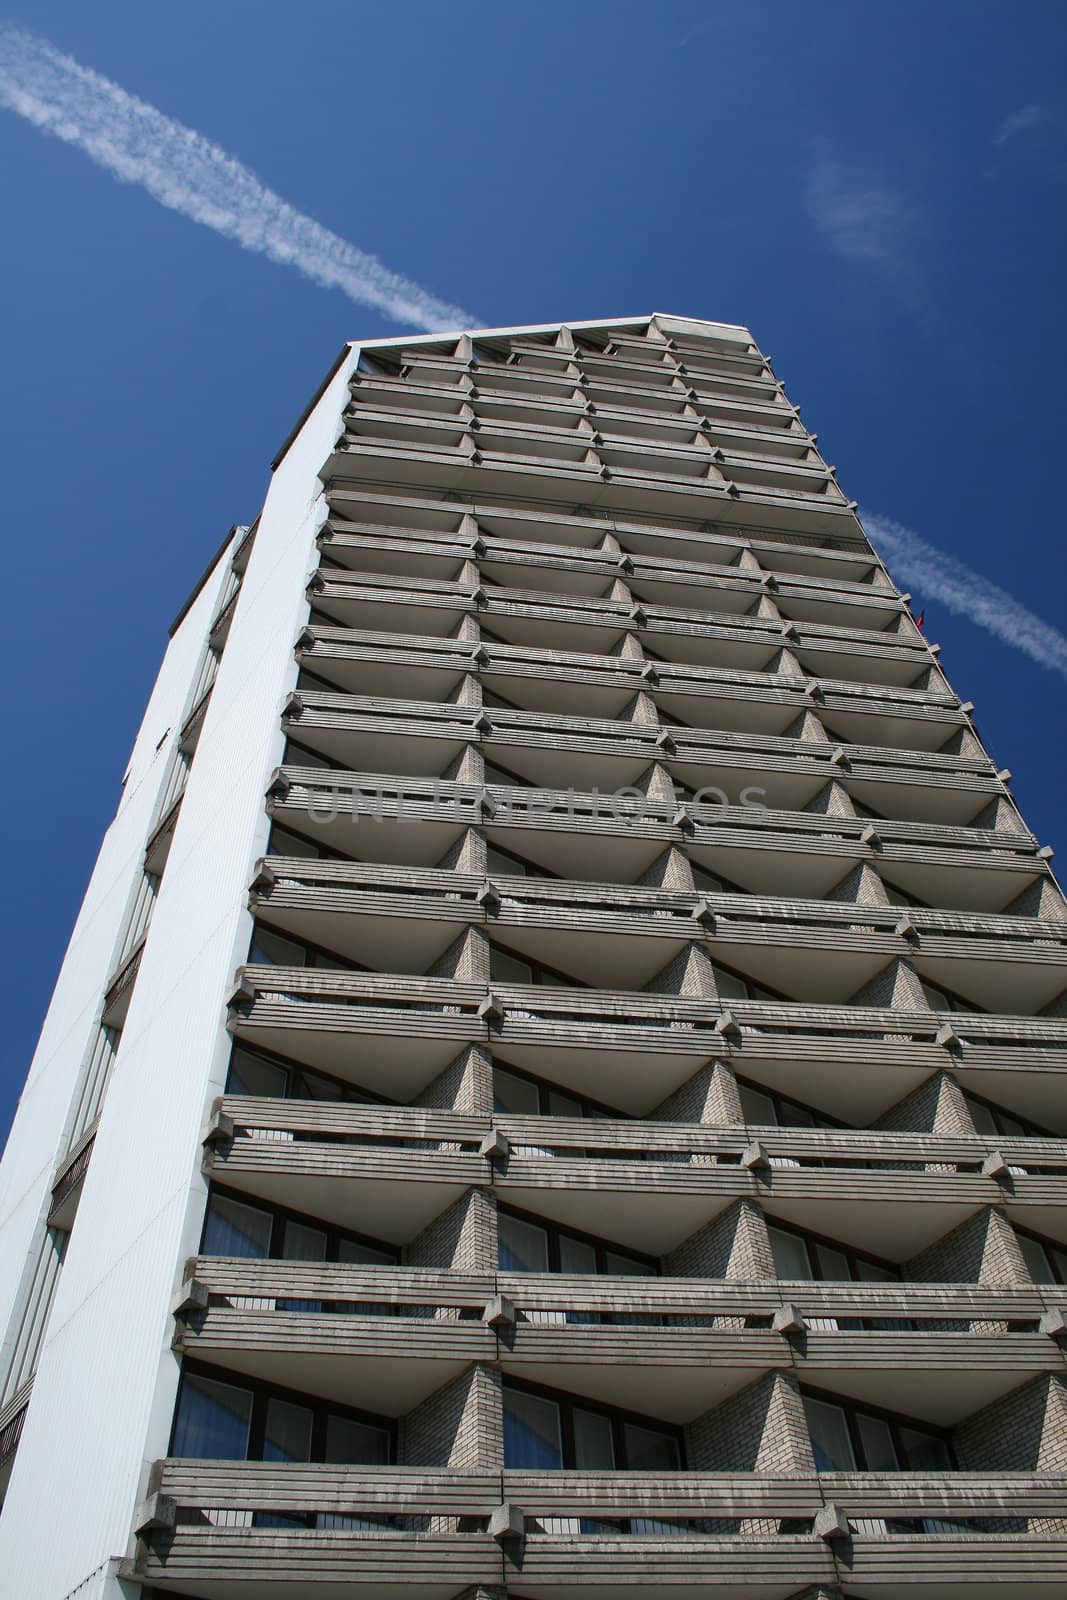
(968, 593)
(187, 173)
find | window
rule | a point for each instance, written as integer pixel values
(733, 986)
(1046, 1262)
(285, 843)
(533, 1244)
(713, 883)
(546, 1430)
(232, 1227)
(900, 897)
(941, 1000)
(769, 1109)
(800, 1255)
(988, 1118)
(850, 1438)
(253, 1073)
(526, 1096)
(212, 1421)
(233, 1418)
(506, 967)
(504, 862)
(274, 949)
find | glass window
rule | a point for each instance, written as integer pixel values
(982, 1117)
(284, 843)
(271, 949)
(506, 969)
(531, 1432)
(303, 1243)
(832, 1264)
(594, 1450)
(871, 1272)
(287, 1434)
(626, 1266)
(757, 1107)
(522, 1246)
(829, 1437)
(355, 1250)
(516, 1095)
(564, 1105)
(250, 1074)
(649, 1451)
(233, 1229)
(790, 1254)
(923, 1452)
(876, 1442)
(729, 986)
(351, 1441)
(1039, 1262)
(576, 1255)
(213, 1420)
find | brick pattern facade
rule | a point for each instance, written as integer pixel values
(460, 1425)
(733, 1245)
(463, 1237)
(983, 1249)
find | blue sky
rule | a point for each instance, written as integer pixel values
(877, 191)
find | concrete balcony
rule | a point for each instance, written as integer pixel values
(723, 636)
(590, 837)
(404, 514)
(538, 435)
(119, 991)
(675, 1347)
(340, 1022)
(70, 1180)
(400, 918)
(550, 750)
(654, 578)
(537, 677)
(653, 1206)
(757, 427)
(367, 1533)
(344, 1162)
(630, 1050)
(629, 481)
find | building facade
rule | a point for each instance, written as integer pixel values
(558, 1082)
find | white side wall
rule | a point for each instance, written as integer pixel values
(37, 1139)
(106, 1384)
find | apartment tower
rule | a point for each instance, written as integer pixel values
(557, 1082)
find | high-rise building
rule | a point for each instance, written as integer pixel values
(627, 1155)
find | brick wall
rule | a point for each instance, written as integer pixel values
(467, 854)
(831, 801)
(690, 972)
(733, 1245)
(466, 959)
(671, 870)
(463, 1237)
(936, 1106)
(466, 1084)
(1040, 898)
(983, 1249)
(459, 1425)
(709, 1096)
(862, 886)
(761, 1429)
(1025, 1431)
(897, 986)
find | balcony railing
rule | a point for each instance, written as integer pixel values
(375, 1530)
(120, 990)
(647, 1184)
(1019, 963)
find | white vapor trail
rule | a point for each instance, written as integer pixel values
(187, 173)
(985, 604)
